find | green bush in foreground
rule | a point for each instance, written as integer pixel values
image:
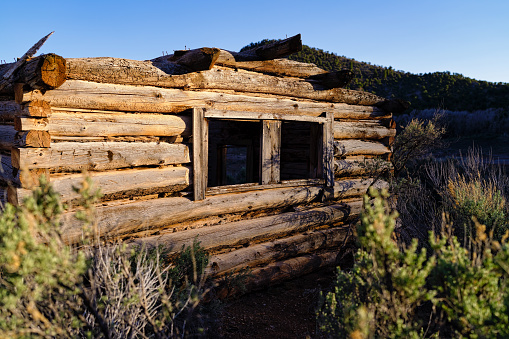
(50, 290)
(457, 291)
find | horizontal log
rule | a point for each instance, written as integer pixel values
(12, 138)
(344, 189)
(217, 79)
(252, 256)
(79, 94)
(44, 72)
(357, 147)
(118, 220)
(71, 123)
(115, 184)
(358, 167)
(244, 232)
(361, 130)
(11, 176)
(11, 109)
(289, 269)
(99, 156)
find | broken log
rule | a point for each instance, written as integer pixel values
(79, 94)
(99, 156)
(344, 148)
(244, 232)
(361, 130)
(198, 59)
(277, 250)
(274, 50)
(117, 184)
(70, 123)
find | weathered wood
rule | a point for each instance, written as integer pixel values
(270, 152)
(223, 114)
(99, 156)
(328, 153)
(44, 72)
(7, 75)
(26, 178)
(3, 197)
(257, 187)
(200, 154)
(71, 123)
(79, 94)
(274, 50)
(223, 79)
(244, 232)
(116, 220)
(198, 59)
(357, 167)
(123, 183)
(288, 269)
(277, 250)
(344, 189)
(362, 130)
(337, 79)
(344, 148)
(8, 110)
(27, 124)
(282, 67)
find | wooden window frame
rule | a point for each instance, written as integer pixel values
(270, 149)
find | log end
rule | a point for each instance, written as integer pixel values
(52, 71)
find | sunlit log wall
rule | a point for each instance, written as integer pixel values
(129, 125)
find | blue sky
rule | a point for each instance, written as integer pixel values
(460, 36)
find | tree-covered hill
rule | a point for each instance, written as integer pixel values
(453, 92)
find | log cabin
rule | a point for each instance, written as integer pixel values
(262, 159)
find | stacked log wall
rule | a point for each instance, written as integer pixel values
(134, 137)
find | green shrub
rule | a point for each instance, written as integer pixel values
(48, 289)
(459, 291)
(380, 296)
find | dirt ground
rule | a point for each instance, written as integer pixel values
(282, 311)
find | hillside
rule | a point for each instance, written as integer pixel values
(453, 92)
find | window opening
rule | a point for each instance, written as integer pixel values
(233, 152)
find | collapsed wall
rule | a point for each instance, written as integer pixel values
(261, 159)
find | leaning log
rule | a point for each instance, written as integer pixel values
(217, 79)
(99, 156)
(69, 123)
(79, 94)
(361, 130)
(245, 232)
(277, 250)
(274, 50)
